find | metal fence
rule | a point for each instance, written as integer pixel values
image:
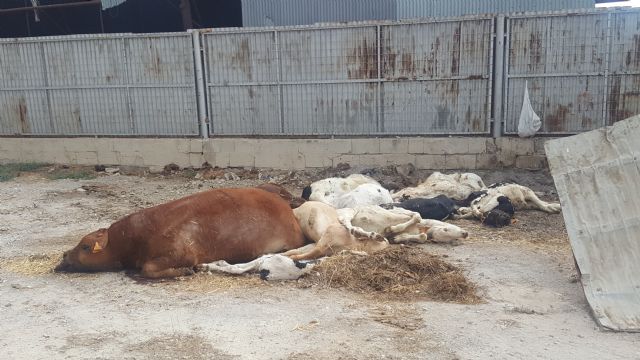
(388, 78)
(98, 85)
(582, 70)
(428, 77)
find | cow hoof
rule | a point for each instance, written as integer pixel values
(201, 268)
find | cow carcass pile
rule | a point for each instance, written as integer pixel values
(269, 231)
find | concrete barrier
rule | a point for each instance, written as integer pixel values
(425, 153)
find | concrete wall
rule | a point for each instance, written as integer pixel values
(425, 153)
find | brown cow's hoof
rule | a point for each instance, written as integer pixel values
(201, 268)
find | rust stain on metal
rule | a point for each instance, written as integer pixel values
(406, 64)
(154, 66)
(557, 121)
(77, 117)
(455, 53)
(474, 77)
(535, 47)
(613, 99)
(22, 114)
(362, 61)
(242, 57)
(633, 55)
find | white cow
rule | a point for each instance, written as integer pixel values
(398, 225)
(522, 198)
(270, 267)
(326, 190)
(365, 194)
(354, 190)
(319, 223)
(455, 186)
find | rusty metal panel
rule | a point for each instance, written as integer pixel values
(623, 97)
(163, 61)
(438, 50)
(557, 44)
(115, 84)
(568, 104)
(329, 54)
(24, 112)
(436, 107)
(244, 110)
(85, 63)
(240, 57)
(596, 175)
(15, 57)
(625, 42)
(565, 61)
(164, 111)
(330, 109)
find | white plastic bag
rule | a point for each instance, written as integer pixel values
(529, 122)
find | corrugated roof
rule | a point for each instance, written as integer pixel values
(305, 12)
(106, 4)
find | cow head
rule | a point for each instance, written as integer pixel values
(306, 192)
(444, 233)
(91, 254)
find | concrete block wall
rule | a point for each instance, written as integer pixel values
(444, 153)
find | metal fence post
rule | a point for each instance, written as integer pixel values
(498, 77)
(200, 93)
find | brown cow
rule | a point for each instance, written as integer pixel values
(294, 202)
(167, 240)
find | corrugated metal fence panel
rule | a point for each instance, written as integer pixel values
(564, 60)
(242, 74)
(329, 54)
(321, 92)
(439, 77)
(256, 13)
(596, 174)
(98, 85)
(623, 93)
(411, 9)
(421, 78)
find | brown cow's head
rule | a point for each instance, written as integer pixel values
(91, 254)
(294, 202)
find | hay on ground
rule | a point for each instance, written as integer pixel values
(31, 265)
(398, 273)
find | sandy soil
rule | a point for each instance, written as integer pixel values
(533, 306)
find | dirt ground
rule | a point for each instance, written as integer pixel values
(533, 307)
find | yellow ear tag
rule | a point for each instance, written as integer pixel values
(96, 248)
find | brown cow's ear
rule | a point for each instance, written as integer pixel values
(101, 242)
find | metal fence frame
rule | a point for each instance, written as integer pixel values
(616, 88)
(379, 80)
(149, 124)
(601, 96)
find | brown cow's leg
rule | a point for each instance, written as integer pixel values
(161, 268)
(317, 252)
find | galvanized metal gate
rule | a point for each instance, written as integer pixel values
(98, 85)
(363, 79)
(581, 69)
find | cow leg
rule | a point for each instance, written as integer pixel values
(551, 208)
(163, 268)
(223, 266)
(300, 250)
(318, 251)
(463, 213)
(400, 228)
(405, 238)
(345, 217)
